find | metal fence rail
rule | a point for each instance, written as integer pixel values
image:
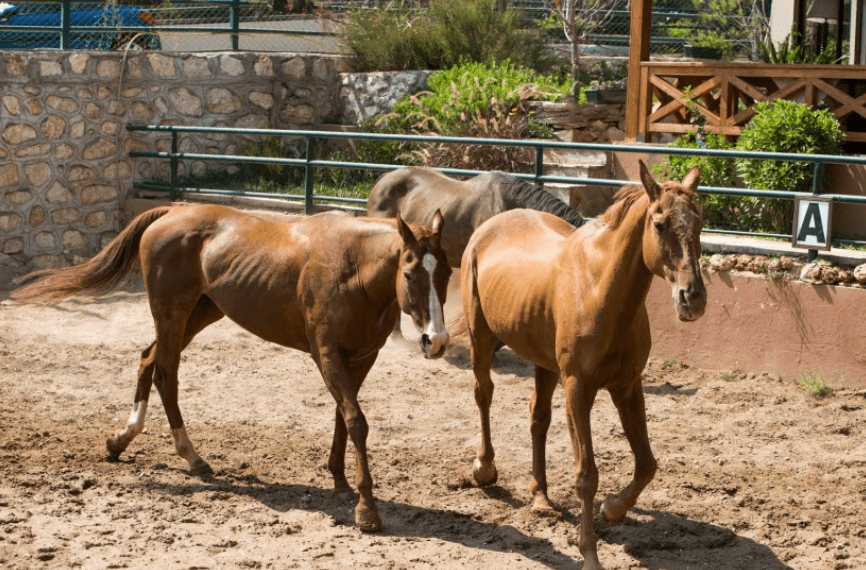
(310, 164)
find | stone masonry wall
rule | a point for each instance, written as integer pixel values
(65, 169)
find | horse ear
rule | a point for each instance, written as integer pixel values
(649, 183)
(692, 178)
(405, 231)
(438, 221)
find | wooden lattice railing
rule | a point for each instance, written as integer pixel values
(725, 94)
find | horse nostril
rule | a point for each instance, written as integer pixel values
(684, 300)
(425, 341)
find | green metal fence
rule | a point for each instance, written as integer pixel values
(310, 164)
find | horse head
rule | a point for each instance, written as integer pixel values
(672, 239)
(422, 282)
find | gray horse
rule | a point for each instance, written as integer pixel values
(418, 192)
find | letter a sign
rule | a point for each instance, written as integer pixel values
(812, 217)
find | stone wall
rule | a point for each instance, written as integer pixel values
(65, 169)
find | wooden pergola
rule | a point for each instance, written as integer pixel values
(660, 94)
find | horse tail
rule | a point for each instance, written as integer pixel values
(527, 195)
(96, 276)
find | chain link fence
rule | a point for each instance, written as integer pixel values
(285, 25)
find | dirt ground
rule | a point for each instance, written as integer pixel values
(754, 474)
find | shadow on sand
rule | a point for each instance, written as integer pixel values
(666, 542)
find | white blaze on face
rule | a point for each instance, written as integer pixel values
(435, 330)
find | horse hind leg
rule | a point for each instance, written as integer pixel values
(483, 344)
(118, 443)
(204, 313)
(540, 414)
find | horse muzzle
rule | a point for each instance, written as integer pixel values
(434, 345)
(691, 301)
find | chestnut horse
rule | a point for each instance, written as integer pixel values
(572, 301)
(417, 192)
(330, 285)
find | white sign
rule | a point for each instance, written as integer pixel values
(812, 221)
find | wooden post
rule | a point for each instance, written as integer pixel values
(638, 51)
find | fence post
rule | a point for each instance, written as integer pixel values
(308, 177)
(65, 8)
(817, 173)
(539, 164)
(172, 171)
(234, 22)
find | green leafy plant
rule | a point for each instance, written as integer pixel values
(719, 211)
(442, 34)
(790, 50)
(785, 126)
(714, 39)
(475, 100)
(466, 89)
(814, 385)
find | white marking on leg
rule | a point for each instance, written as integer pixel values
(135, 424)
(435, 331)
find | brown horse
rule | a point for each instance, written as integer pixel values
(330, 285)
(417, 192)
(572, 301)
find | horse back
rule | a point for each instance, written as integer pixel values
(510, 272)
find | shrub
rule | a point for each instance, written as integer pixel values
(475, 100)
(442, 35)
(785, 126)
(719, 211)
(814, 385)
(465, 90)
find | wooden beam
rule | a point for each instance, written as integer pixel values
(638, 51)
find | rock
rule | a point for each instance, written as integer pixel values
(860, 273)
(811, 273)
(719, 262)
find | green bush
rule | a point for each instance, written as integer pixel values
(442, 35)
(457, 94)
(720, 212)
(475, 100)
(785, 126)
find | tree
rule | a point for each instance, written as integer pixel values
(579, 18)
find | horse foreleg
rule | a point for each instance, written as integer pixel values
(343, 380)
(578, 401)
(540, 414)
(631, 407)
(118, 443)
(337, 459)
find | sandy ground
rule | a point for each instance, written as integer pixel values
(754, 474)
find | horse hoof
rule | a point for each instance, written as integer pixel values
(114, 447)
(541, 505)
(610, 513)
(200, 469)
(367, 519)
(484, 475)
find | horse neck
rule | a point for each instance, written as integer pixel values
(622, 276)
(378, 262)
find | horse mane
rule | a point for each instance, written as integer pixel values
(528, 195)
(624, 199)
